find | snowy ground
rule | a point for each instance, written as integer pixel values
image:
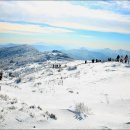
(89, 96)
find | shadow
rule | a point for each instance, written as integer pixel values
(128, 123)
(78, 115)
(127, 66)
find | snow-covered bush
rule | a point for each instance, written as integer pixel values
(81, 108)
(4, 97)
(12, 107)
(32, 115)
(30, 78)
(39, 108)
(14, 100)
(11, 74)
(72, 68)
(32, 107)
(18, 80)
(1, 118)
(52, 116)
(37, 84)
(49, 73)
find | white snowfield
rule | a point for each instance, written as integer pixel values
(77, 96)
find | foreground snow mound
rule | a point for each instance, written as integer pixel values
(75, 95)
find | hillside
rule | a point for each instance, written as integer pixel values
(77, 96)
(21, 55)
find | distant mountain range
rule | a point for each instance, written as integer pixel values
(103, 54)
(8, 45)
(80, 54)
(83, 53)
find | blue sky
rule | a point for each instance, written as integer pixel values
(93, 24)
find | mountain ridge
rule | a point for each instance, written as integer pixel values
(23, 54)
(82, 53)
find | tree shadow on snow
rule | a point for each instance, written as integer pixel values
(78, 115)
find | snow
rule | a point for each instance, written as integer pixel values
(93, 95)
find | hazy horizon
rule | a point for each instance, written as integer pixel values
(61, 47)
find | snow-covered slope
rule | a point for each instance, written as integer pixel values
(77, 95)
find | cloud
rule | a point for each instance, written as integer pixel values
(6, 27)
(110, 5)
(66, 14)
(123, 4)
(92, 27)
(64, 22)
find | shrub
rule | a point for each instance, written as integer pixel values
(71, 91)
(1, 118)
(12, 107)
(32, 115)
(81, 108)
(32, 107)
(72, 68)
(53, 116)
(4, 97)
(39, 108)
(18, 80)
(14, 101)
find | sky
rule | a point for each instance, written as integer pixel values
(89, 23)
